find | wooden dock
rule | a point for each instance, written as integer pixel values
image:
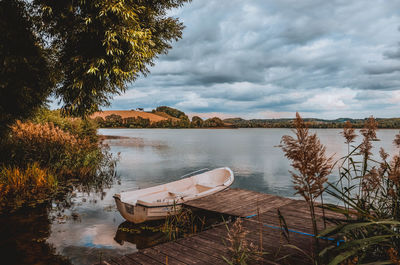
(260, 219)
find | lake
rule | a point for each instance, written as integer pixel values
(87, 230)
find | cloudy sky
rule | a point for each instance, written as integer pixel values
(269, 59)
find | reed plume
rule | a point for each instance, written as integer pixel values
(348, 133)
(239, 249)
(310, 163)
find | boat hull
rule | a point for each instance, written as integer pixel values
(139, 213)
(158, 202)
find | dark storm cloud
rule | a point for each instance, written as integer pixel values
(265, 56)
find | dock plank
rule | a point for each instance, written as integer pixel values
(143, 259)
(259, 213)
(161, 257)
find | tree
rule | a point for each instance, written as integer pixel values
(82, 51)
(184, 122)
(213, 122)
(197, 122)
(171, 112)
(25, 78)
(113, 121)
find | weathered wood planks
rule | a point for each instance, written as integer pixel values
(210, 246)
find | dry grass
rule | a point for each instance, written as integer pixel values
(240, 250)
(129, 114)
(311, 166)
(65, 154)
(25, 186)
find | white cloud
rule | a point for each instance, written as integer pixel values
(264, 57)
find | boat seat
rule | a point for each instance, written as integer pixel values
(179, 193)
(202, 188)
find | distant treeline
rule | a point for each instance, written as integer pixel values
(392, 123)
(179, 120)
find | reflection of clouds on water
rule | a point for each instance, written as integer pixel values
(135, 142)
(84, 238)
(156, 156)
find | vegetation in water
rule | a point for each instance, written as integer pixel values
(30, 185)
(368, 189)
(40, 159)
(369, 192)
(182, 222)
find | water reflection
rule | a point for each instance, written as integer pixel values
(92, 227)
(23, 239)
(142, 235)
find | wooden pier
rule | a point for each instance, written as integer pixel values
(260, 219)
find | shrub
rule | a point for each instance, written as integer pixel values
(25, 186)
(81, 128)
(213, 122)
(65, 154)
(170, 111)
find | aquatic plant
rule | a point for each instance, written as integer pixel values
(369, 190)
(182, 222)
(67, 155)
(30, 186)
(72, 156)
(311, 166)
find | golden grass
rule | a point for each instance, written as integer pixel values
(129, 114)
(25, 186)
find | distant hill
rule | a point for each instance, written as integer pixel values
(390, 123)
(167, 117)
(153, 117)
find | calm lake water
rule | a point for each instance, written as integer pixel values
(88, 230)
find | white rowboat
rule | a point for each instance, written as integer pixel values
(157, 202)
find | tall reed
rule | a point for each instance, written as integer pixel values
(371, 198)
(311, 166)
(30, 186)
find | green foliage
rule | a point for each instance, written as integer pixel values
(213, 122)
(25, 76)
(171, 112)
(390, 123)
(62, 152)
(29, 186)
(137, 122)
(113, 121)
(103, 44)
(197, 122)
(184, 122)
(73, 156)
(82, 128)
(180, 120)
(83, 51)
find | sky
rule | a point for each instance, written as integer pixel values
(269, 59)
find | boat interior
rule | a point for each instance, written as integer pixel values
(178, 190)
